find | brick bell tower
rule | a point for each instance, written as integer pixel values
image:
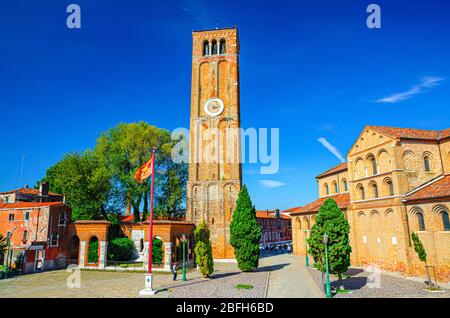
(215, 173)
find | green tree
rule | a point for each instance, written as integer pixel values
(125, 148)
(3, 248)
(245, 233)
(203, 250)
(422, 254)
(93, 251)
(157, 252)
(85, 181)
(332, 221)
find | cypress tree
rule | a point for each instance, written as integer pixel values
(422, 254)
(245, 233)
(332, 221)
(203, 250)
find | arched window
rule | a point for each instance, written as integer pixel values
(214, 47)
(25, 236)
(327, 189)
(374, 190)
(206, 48)
(373, 164)
(223, 47)
(420, 221)
(426, 162)
(362, 195)
(390, 187)
(345, 185)
(335, 187)
(54, 240)
(62, 218)
(445, 221)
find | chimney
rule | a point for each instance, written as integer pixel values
(43, 189)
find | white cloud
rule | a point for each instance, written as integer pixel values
(426, 84)
(271, 183)
(331, 148)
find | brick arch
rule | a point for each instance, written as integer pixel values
(438, 209)
(360, 168)
(409, 161)
(371, 164)
(384, 164)
(413, 213)
(386, 191)
(429, 155)
(374, 190)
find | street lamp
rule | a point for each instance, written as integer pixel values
(184, 257)
(327, 279)
(306, 246)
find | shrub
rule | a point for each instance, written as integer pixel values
(203, 250)
(120, 249)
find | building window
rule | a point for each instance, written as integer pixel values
(206, 48)
(327, 190)
(345, 186)
(445, 221)
(375, 190)
(27, 216)
(362, 195)
(335, 186)
(214, 47)
(223, 47)
(62, 218)
(25, 236)
(11, 217)
(420, 221)
(426, 162)
(54, 241)
(374, 166)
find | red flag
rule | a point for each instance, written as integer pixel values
(145, 171)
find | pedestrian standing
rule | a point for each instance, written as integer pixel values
(174, 272)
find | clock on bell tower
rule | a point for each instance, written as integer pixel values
(215, 174)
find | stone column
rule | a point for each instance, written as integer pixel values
(82, 253)
(103, 254)
(145, 252)
(167, 255)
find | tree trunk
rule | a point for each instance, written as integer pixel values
(341, 283)
(430, 283)
(145, 212)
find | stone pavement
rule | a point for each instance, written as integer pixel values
(278, 276)
(363, 284)
(289, 277)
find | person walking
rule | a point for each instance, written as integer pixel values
(174, 272)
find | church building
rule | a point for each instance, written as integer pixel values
(396, 181)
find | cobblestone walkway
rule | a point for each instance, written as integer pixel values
(367, 285)
(289, 277)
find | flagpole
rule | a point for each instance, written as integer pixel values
(152, 190)
(148, 291)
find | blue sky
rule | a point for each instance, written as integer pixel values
(311, 68)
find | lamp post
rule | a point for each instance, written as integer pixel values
(184, 258)
(306, 246)
(327, 277)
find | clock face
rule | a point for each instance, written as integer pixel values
(214, 106)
